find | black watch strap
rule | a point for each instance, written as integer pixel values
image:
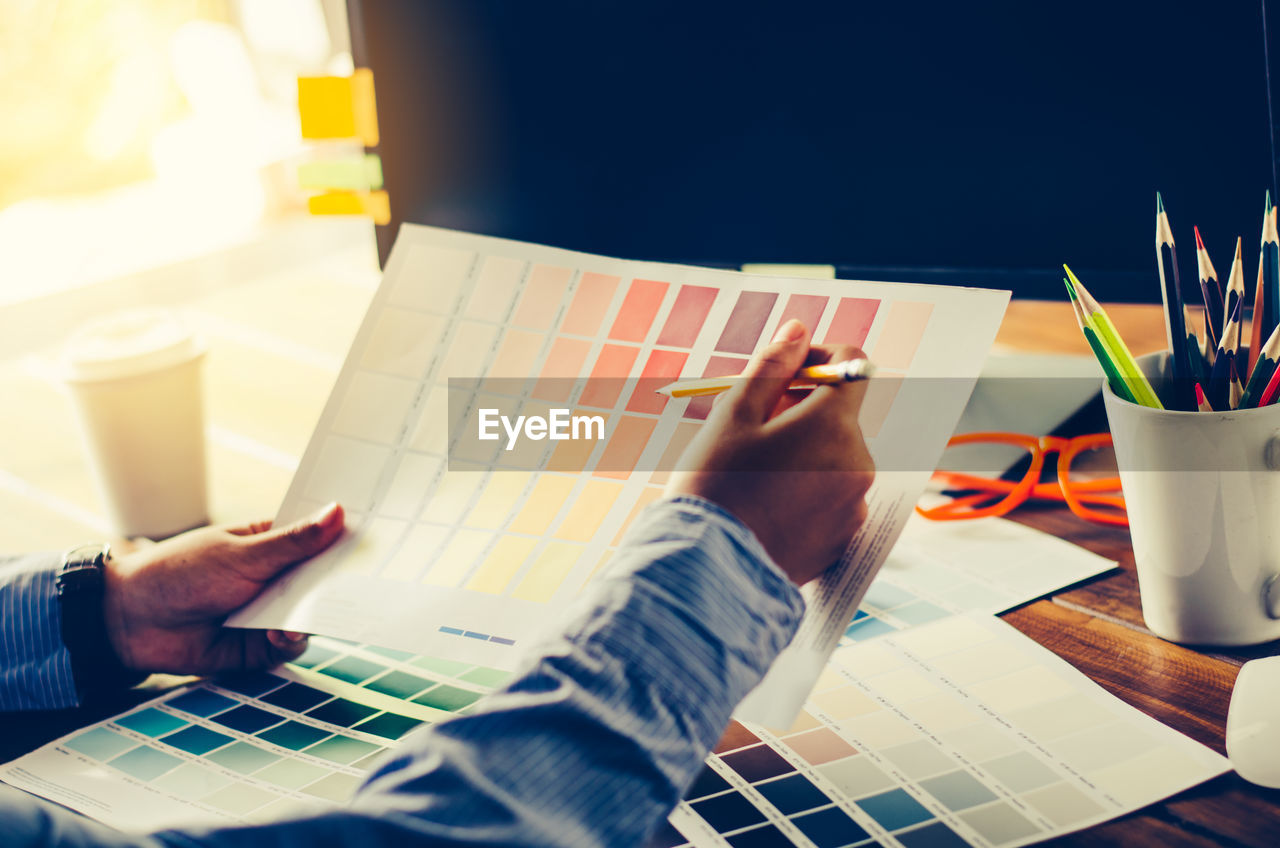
(81, 585)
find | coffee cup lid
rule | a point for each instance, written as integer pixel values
(128, 344)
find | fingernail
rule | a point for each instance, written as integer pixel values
(292, 636)
(325, 513)
(791, 331)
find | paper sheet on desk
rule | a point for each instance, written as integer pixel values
(473, 563)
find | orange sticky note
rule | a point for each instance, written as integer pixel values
(339, 107)
(374, 204)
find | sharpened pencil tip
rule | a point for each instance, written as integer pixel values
(1071, 290)
(1159, 204)
(1199, 241)
(1266, 210)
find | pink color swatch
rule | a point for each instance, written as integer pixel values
(746, 322)
(806, 308)
(628, 440)
(687, 316)
(563, 366)
(638, 310)
(662, 367)
(852, 321)
(542, 296)
(590, 303)
(608, 375)
(902, 332)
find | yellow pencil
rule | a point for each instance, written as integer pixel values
(831, 372)
(1101, 322)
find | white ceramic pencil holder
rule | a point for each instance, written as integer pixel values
(1203, 496)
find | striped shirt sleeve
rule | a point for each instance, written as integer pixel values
(597, 738)
(35, 667)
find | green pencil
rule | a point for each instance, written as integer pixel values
(1097, 318)
(1114, 377)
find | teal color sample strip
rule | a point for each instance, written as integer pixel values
(399, 684)
(342, 712)
(145, 763)
(352, 669)
(894, 809)
(388, 725)
(197, 740)
(315, 655)
(342, 749)
(248, 719)
(100, 743)
(446, 697)
(389, 653)
(449, 667)
(483, 676)
(242, 757)
(293, 735)
(201, 702)
(150, 722)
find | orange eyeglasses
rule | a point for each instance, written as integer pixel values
(1095, 499)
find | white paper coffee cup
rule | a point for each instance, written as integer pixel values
(1202, 490)
(135, 381)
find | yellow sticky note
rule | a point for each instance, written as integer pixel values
(373, 204)
(339, 107)
(353, 173)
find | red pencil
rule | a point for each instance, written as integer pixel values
(1273, 388)
(1202, 403)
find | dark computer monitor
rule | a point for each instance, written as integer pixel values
(974, 143)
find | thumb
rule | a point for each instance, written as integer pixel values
(767, 375)
(271, 551)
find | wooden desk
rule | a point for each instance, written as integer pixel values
(1096, 626)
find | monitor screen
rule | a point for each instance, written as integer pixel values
(979, 143)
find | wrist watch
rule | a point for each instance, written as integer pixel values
(81, 587)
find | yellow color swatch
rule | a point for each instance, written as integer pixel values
(648, 496)
(371, 204)
(548, 495)
(502, 563)
(497, 499)
(547, 572)
(353, 173)
(339, 107)
(589, 510)
(456, 559)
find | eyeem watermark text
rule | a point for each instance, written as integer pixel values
(560, 425)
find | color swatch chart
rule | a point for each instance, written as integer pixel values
(253, 748)
(989, 565)
(961, 732)
(459, 546)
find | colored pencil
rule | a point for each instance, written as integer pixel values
(831, 372)
(1202, 403)
(1224, 378)
(1097, 317)
(1211, 291)
(1266, 296)
(1175, 326)
(1235, 291)
(1272, 389)
(1260, 376)
(1114, 378)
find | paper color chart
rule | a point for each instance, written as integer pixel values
(989, 565)
(959, 732)
(460, 547)
(254, 748)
